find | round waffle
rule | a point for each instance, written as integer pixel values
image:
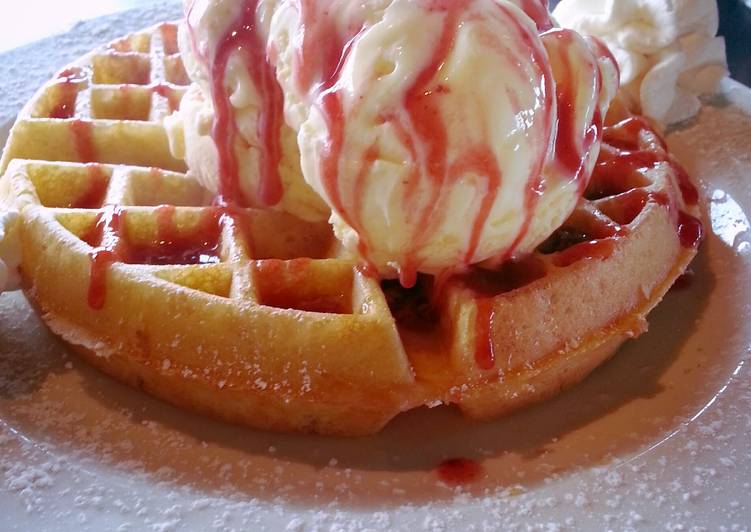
(255, 317)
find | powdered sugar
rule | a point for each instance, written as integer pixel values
(654, 440)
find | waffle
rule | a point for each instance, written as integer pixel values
(256, 318)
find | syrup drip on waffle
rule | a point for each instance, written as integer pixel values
(68, 84)
(623, 156)
(109, 238)
(485, 285)
(94, 195)
(173, 97)
(109, 247)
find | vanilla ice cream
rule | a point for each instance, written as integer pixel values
(440, 133)
(246, 154)
(667, 50)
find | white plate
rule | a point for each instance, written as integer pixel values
(655, 439)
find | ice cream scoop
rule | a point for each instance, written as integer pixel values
(440, 133)
(230, 127)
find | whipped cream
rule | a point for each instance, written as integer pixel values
(10, 251)
(667, 50)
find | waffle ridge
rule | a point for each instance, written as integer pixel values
(256, 317)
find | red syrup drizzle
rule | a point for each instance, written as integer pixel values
(423, 105)
(278, 283)
(457, 471)
(198, 246)
(538, 11)
(319, 60)
(94, 195)
(628, 134)
(67, 84)
(83, 140)
(108, 236)
(172, 96)
(426, 128)
(244, 36)
(571, 157)
(485, 285)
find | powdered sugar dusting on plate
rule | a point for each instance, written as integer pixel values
(656, 439)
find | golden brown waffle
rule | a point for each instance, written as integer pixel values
(252, 317)
(113, 99)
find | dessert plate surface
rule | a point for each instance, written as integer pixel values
(656, 438)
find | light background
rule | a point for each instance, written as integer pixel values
(26, 21)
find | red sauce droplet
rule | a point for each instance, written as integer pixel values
(408, 276)
(109, 247)
(93, 197)
(457, 471)
(244, 37)
(690, 230)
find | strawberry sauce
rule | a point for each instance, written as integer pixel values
(68, 83)
(106, 237)
(485, 285)
(538, 11)
(94, 195)
(172, 246)
(109, 238)
(244, 37)
(170, 94)
(571, 150)
(81, 132)
(457, 471)
(419, 122)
